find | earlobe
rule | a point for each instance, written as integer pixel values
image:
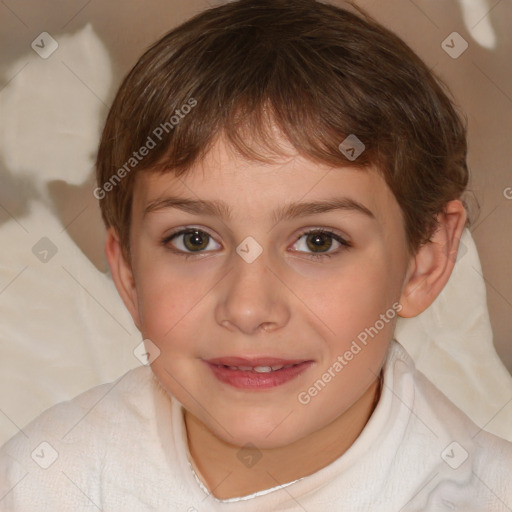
(122, 274)
(431, 266)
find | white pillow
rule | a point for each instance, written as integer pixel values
(451, 342)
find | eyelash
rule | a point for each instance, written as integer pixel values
(318, 231)
(318, 256)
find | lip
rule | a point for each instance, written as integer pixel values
(253, 361)
(250, 380)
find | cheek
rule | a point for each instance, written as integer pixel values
(175, 304)
(163, 299)
(353, 297)
(356, 306)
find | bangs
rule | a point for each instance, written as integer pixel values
(255, 106)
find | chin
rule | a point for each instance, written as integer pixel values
(263, 433)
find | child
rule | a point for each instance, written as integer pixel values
(279, 178)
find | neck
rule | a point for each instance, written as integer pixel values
(218, 465)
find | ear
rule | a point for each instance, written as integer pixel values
(122, 274)
(431, 266)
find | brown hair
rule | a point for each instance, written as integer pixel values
(317, 73)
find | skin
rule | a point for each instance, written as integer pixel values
(284, 304)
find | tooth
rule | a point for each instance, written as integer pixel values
(259, 369)
(262, 369)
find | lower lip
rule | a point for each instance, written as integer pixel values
(252, 380)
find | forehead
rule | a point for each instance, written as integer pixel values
(247, 187)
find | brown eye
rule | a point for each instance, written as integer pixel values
(195, 240)
(319, 242)
(190, 241)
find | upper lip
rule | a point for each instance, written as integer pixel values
(253, 361)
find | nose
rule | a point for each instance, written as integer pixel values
(252, 298)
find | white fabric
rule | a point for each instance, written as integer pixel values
(123, 446)
(63, 327)
(451, 343)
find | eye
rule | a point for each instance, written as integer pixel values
(320, 242)
(190, 241)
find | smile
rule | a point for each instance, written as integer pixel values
(259, 369)
(257, 378)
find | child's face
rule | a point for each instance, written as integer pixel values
(284, 304)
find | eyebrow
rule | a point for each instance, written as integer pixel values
(221, 209)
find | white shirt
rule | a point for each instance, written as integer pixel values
(123, 447)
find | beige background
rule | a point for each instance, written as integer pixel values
(481, 81)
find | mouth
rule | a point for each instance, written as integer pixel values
(259, 369)
(256, 373)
